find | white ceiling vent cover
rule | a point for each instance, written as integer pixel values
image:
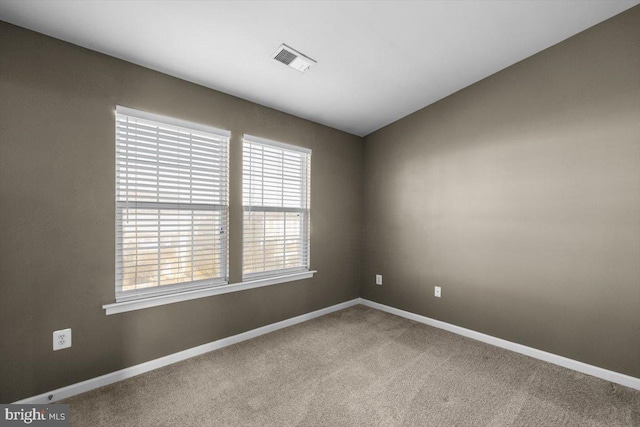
(293, 58)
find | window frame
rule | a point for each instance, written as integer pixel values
(195, 285)
(180, 294)
(305, 212)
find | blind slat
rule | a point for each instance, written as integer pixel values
(171, 205)
(276, 182)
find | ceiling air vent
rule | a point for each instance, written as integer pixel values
(293, 58)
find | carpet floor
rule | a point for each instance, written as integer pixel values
(359, 367)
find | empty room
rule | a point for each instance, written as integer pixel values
(320, 213)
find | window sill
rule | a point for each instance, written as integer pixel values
(122, 307)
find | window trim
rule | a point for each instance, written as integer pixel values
(181, 292)
(154, 301)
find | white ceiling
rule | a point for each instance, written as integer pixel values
(377, 61)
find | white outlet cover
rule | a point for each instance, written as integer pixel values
(378, 279)
(437, 291)
(61, 339)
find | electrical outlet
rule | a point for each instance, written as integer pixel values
(437, 291)
(61, 339)
(378, 279)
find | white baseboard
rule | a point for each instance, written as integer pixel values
(101, 381)
(565, 362)
(93, 383)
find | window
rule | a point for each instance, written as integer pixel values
(171, 205)
(276, 208)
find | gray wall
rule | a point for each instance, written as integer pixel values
(57, 215)
(520, 196)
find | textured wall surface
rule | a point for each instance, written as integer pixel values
(520, 196)
(57, 212)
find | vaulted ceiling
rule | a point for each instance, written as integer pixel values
(377, 60)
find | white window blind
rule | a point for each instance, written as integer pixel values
(171, 205)
(276, 180)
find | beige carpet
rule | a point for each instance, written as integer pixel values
(359, 367)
